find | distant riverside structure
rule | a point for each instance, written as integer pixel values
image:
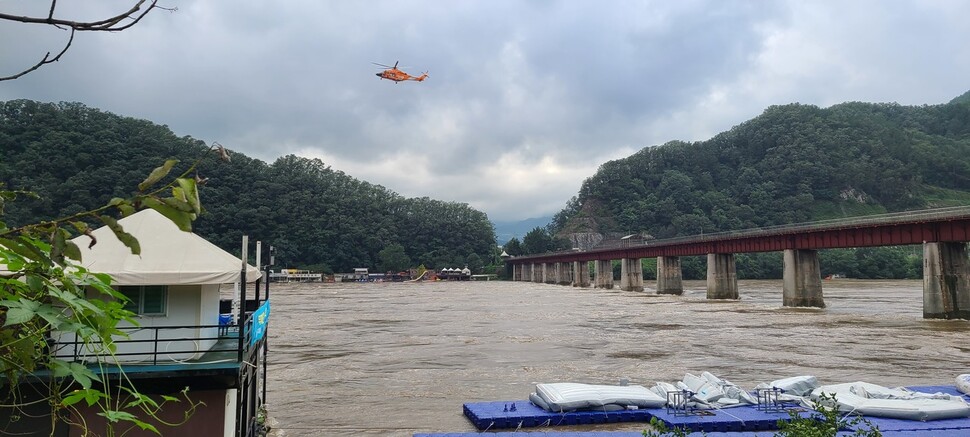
(449, 274)
(294, 275)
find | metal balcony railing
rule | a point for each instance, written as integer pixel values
(160, 345)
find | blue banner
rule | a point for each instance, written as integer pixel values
(259, 319)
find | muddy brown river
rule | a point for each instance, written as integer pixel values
(393, 359)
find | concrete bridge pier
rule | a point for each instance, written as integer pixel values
(670, 277)
(565, 273)
(946, 281)
(722, 276)
(802, 284)
(581, 274)
(549, 273)
(631, 274)
(603, 273)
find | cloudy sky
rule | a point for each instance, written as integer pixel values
(525, 98)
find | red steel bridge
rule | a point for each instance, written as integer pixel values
(943, 232)
(896, 229)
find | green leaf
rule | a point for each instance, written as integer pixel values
(51, 315)
(19, 248)
(178, 204)
(116, 416)
(191, 190)
(72, 251)
(123, 205)
(89, 395)
(125, 238)
(144, 426)
(78, 371)
(57, 246)
(18, 315)
(157, 174)
(181, 219)
(35, 283)
(141, 399)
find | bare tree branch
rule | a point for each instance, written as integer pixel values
(47, 60)
(115, 23)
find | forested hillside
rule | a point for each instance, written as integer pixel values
(793, 163)
(78, 158)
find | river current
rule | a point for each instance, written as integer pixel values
(393, 359)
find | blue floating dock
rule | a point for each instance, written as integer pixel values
(738, 421)
(948, 389)
(930, 433)
(501, 415)
(523, 414)
(543, 434)
(588, 434)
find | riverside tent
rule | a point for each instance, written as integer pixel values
(168, 255)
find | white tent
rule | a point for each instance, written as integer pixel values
(169, 256)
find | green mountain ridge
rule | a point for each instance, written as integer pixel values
(793, 163)
(78, 158)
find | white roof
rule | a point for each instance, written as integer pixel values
(169, 256)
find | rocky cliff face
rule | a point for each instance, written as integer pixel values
(585, 240)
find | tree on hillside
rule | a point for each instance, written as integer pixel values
(536, 241)
(513, 247)
(393, 259)
(116, 23)
(539, 240)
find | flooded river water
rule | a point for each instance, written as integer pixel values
(392, 359)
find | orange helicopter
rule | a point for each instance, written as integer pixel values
(392, 73)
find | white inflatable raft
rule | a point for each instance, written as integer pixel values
(569, 396)
(963, 383)
(875, 400)
(708, 391)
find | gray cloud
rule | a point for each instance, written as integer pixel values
(525, 99)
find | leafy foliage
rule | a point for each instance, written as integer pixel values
(540, 240)
(47, 296)
(825, 422)
(313, 214)
(660, 429)
(393, 258)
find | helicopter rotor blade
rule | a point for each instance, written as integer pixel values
(382, 65)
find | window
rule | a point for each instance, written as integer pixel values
(146, 300)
